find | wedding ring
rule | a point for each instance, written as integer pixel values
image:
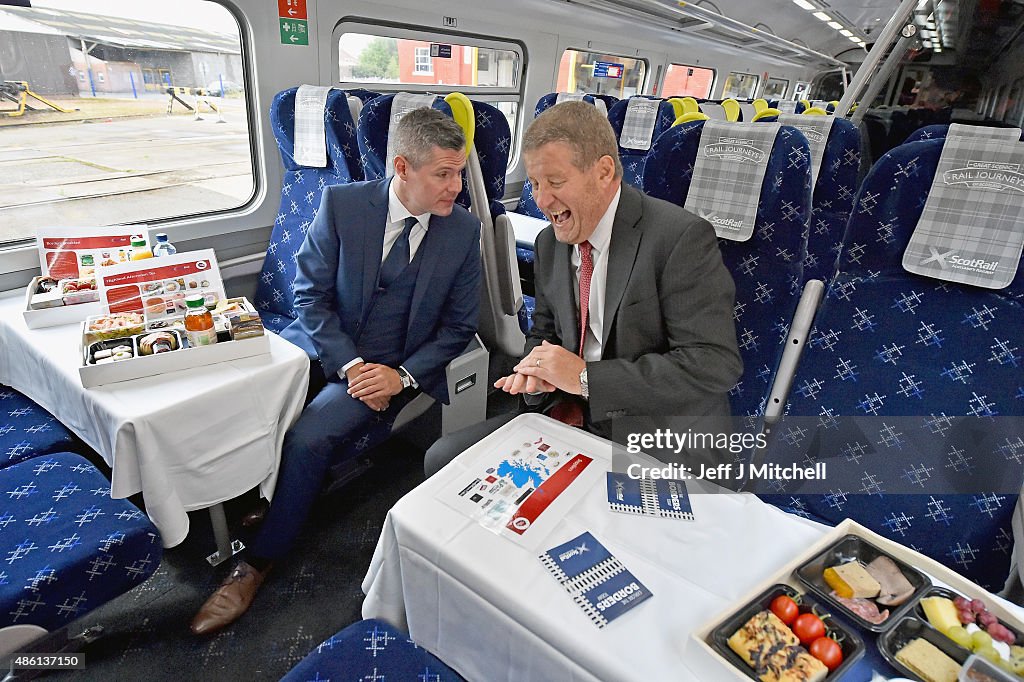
(537, 362)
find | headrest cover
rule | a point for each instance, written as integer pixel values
(714, 111)
(568, 97)
(961, 130)
(310, 136)
(728, 173)
(402, 104)
(638, 125)
(971, 230)
(816, 129)
(787, 106)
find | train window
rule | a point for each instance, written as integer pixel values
(391, 58)
(600, 73)
(100, 107)
(741, 85)
(683, 80)
(775, 88)
(802, 90)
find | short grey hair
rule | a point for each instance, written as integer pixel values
(582, 127)
(420, 130)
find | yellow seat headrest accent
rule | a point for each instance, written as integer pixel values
(806, 103)
(766, 113)
(462, 112)
(732, 109)
(815, 111)
(760, 105)
(690, 105)
(678, 108)
(834, 103)
(690, 116)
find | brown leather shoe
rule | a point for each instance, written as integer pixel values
(256, 515)
(230, 601)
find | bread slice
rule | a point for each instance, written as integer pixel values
(774, 652)
(928, 662)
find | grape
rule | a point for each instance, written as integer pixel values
(977, 606)
(961, 604)
(981, 640)
(1001, 633)
(989, 653)
(959, 635)
(965, 615)
(987, 620)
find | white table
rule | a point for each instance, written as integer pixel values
(486, 606)
(187, 440)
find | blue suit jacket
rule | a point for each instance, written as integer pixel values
(336, 272)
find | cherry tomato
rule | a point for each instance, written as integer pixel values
(828, 651)
(808, 627)
(785, 609)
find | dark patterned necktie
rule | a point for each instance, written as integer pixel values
(398, 257)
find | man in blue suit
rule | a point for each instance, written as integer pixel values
(387, 292)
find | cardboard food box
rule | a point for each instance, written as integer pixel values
(56, 313)
(787, 575)
(135, 364)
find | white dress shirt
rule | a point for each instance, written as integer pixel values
(397, 213)
(599, 241)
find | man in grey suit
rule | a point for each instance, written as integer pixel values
(656, 338)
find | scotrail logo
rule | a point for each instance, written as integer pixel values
(575, 551)
(728, 224)
(951, 260)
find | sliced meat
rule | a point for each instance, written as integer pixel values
(865, 608)
(896, 589)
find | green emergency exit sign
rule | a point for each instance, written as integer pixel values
(294, 32)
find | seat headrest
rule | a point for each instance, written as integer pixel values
(338, 127)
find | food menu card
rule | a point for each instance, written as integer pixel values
(76, 252)
(158, 286)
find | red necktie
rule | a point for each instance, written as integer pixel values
(570, 411)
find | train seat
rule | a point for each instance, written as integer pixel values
(27, 430)
(889, 344)
(767, 268)
(370, 649)
(835, 163)
(938, 130)
(609, 100)
(68, 547)
(637, 122)
(301, 190)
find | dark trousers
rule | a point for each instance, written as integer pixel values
(310, 448)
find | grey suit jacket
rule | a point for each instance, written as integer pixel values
(669, 338)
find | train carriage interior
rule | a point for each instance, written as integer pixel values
(875, 251)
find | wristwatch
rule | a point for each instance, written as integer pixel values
(584, 387)
(405, 377)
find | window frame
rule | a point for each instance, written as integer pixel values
(711, 87)
(20, 255)
(784, 89)
(644, 60)
(753, 91)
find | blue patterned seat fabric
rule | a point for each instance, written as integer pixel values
(27, 430)
(363, 94)
(301, 190)
(832, 200)
(67, 547)
(888, 345)
(767, 268)
(633, 160)
(371, 650)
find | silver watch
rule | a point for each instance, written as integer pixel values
(584, 387)
(405, 377)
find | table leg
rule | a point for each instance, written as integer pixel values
(226, 547)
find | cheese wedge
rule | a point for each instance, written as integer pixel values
(852, 581)
(928, 662)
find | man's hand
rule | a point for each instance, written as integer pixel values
(520, 383)
(375, 385)
(553, 365)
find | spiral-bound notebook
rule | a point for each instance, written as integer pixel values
(596, 580)
(664, 497)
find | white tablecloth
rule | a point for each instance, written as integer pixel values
(187, 440)
(486, 605)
